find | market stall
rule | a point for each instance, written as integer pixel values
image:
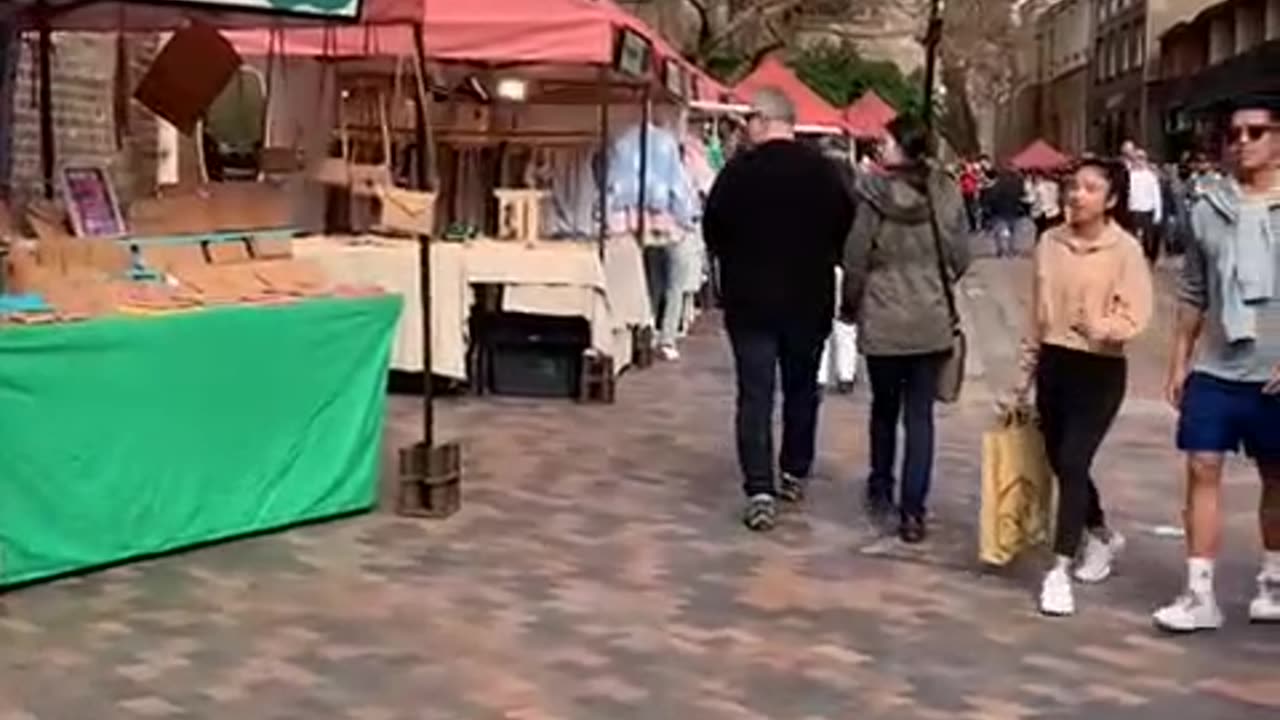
(523, 97)
(159, 382)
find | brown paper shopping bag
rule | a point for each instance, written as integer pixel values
(1018, 494)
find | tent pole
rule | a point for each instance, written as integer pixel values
(602, 167)
(430, 474)
(425, 154)
(45, 63)
(646, 112)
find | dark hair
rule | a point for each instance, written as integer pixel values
(910, 134)
(1117, 176)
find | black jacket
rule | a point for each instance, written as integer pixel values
(776, 220)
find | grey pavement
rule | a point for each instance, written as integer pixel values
(598, 571)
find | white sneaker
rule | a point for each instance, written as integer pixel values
(669, 353)
(1189, 613)
(1095, 563)
(1266, 606)
(1056, 597)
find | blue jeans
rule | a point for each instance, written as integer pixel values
(1005, 233)
(759, 354)
(903, 387)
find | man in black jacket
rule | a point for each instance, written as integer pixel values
(777, 219)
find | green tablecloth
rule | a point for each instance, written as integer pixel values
(130, 436)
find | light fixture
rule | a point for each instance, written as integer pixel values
(513, 89)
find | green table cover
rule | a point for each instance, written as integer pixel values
(125, 436)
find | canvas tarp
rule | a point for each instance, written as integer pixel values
(123, 437)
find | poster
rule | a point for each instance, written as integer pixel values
(91, 202)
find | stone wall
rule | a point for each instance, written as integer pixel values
(85, 124)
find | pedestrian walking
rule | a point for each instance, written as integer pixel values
(1046, 201)
(1228, 394)
(1006, 205)
(1092, 292)
(1146, 207)
(776, 219)
(895, 288)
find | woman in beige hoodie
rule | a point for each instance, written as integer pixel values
(1092, 293)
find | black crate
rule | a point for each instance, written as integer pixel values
(534, 355)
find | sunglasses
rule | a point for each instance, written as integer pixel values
(1248, 133)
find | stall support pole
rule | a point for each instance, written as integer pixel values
(643, 338)
(430, 474)
(646, 113)
(602, 169)
(45, 63)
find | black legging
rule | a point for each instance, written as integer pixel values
(1078, 395)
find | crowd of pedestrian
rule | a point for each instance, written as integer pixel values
(781, 217)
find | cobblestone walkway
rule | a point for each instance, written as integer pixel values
(598, 572)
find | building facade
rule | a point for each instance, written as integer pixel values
(1229, 49)
(1117, 94)
(1063, 35)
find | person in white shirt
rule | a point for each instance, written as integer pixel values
(1046, 202)
(1145, 204)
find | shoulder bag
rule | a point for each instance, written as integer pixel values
(951, 374)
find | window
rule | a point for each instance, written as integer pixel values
(1099, 62)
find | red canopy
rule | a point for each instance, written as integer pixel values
(869, 115)
(1039, 155)
(162, 15)
(812, 112)
(482, 31)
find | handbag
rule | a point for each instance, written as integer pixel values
(951, 374)
(1018, 501)
(403, 210)
(362, 179)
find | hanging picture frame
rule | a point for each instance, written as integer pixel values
(91, 201)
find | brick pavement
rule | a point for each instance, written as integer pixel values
(598, 571)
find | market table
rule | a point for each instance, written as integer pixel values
(127, 436)
(561, 278)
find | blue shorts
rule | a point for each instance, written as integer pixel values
(1222, 416)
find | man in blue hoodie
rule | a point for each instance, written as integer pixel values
(1229, 395)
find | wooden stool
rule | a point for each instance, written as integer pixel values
(642, 347)
(519, 214)
(430, 481)
(597, 380)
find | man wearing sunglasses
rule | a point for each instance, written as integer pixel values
(1224, 373)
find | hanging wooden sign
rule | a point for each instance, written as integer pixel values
(187, 76)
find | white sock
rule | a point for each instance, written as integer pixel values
(1271, 563)
(1200, 576)
(1062, 564)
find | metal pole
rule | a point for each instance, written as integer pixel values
(602, 168)
(932, 38)
(642, 198)
(45, 63)
(426, 154)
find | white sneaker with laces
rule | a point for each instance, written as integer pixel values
(1265, 608)
(1098, 557)
(1189, 613)
(1056, 596)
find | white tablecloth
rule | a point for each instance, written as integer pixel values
(565, 279)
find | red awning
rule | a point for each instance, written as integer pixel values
(869, 115)
(812, 112)
(569, 32)
(1039, 155)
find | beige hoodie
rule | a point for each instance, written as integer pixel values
(1091, 295)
